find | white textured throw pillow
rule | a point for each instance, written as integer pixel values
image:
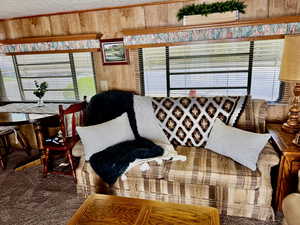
(146, 122)
(101, 136)
(241, 146)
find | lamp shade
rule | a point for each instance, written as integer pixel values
(290, 64)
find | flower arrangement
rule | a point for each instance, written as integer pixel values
(216, 7)
(40, 90)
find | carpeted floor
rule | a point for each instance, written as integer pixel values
(26, 198)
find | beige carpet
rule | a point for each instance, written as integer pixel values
(26, 198)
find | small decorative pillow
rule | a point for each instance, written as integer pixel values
(242, 146)
(101, 136)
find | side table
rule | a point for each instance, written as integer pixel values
(289, 162)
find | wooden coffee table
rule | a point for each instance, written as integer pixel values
(108, 209)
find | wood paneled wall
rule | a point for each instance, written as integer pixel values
(111, 22)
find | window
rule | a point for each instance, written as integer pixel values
(69, 76)
(236, 68)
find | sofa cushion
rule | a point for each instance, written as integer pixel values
(78, 150)
(206, 167)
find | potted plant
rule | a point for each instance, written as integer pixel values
(211, 13)
(40, 91)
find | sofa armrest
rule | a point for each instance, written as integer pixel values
(78, 150)
(268, 157)
(262, 112)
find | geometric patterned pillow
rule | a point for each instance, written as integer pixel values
(187, 121)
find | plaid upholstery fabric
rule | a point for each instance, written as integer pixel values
(229, 199)
(204, 179)
(253, 116)
(211, 193)
(206, 167)
(263, 212)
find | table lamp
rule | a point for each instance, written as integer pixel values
(290, 72)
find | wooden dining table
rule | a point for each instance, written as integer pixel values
(16, 114)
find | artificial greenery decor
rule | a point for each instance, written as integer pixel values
(216, 7)
(41, 89)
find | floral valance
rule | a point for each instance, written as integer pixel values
(213, 34)
(50, 44)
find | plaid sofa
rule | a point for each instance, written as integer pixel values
(205, 178)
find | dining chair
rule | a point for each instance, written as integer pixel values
(69, 118)
(5, 132)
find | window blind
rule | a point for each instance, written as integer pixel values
(266, 70)
(236, 68)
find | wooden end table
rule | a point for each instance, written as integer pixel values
(289, 163)
(107, 209)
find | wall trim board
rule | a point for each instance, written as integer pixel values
(55, 52)
(201, 42)
(77, 37)
(168, 29)
(99, 9)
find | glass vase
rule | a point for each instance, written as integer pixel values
(40, 102)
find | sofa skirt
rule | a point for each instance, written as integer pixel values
(229, 201)
(260, 212)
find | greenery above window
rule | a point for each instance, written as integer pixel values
(216, 7)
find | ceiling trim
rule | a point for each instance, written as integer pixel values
(99, 9)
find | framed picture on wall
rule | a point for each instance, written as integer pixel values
(114, 52)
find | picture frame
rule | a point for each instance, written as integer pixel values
(114, 52)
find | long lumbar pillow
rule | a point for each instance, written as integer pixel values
(242, 146)
(99, 137)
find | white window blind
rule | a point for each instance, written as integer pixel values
(266, 70)
(154, 62)
(236, 68)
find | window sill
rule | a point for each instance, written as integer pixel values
(57, 102)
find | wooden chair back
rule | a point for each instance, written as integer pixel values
(71, 117)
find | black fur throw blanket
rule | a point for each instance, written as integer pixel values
(112, 162)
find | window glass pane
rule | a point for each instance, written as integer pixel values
(45, 70)
(210, 65)
(55, 69)
(208, 80)
(57, 83)
(210, 92)
(42, 58)
(52, 95)
(209, 57)
(85, 74)
(9, 78)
